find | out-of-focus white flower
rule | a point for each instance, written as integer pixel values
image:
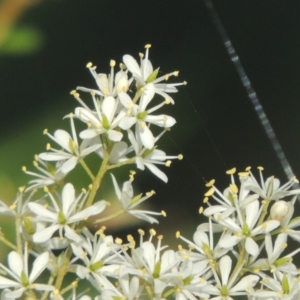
(72, 152)
(128, 201)
(60, 218)
(144, 74)
(270, 189)
(49, 174)
(22, 280)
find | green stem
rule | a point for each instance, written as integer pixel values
(18, 235)
(5, 241)
(63, 269)
(87, 169)
(109, 217)
(264, 212)
(97, 181)
(46, 293)
(240, 261)
(126, 162)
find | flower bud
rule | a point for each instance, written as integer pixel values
(279, 210)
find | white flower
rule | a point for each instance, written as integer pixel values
(61, 218)
(139, 114)
(128, 201)
(271, 189)
(109, 85)
(227, 287)
(144, 74)
(72, 152)
(245, 228)
(18, 270)
(49, 174)
(149, 157)
(104, 120)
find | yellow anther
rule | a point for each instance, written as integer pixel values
(177, 234)
(210, 183)
(185, 83)
(243, 174)
(35, 163)
(48, 146)
(89, 65)
(73, 92)
(209, 192)
(180, 156)
(248, 169)
(164, 214)
(141, 231)
(24, 169)
(231, 171)
(166, 77)
(260, 168)
(179, 247)
(45, 131)
(160, 237)
(284, 245)
(130, 238)
(201, 209)
(148, 46)
(112, 63)
(46, 190)
(141, 55)
(152, 232)
(83, 190)
(168, 163)
(21, 189)
(36, 157)
(205, 200)
(13, 206)
(90, 186)
(176, 73)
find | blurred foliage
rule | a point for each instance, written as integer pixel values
(22, 41)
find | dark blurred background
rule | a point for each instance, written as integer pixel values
(45, 45)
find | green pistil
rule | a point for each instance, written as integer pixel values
(142, 115)
(188, 280)
(96, 266)
(285, 285)
(28, 226)
(61, 218)
(281, 261)
(152, 76)
(51, 169)
(208, 252)
(224, 291)
(156, 271)
(136, 199)
(147, 152)
(105, 122)
(24, 279)
(246, 230)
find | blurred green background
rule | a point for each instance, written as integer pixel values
(45, 45)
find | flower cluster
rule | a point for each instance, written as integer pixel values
(238, 252)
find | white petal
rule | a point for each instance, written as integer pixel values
(108, 107)
(39, 266)
(45, 234)
(69, 165)
(132, 64)
(252, 213)
(15, 294)
(225, 268)
(95, 209)
(251, 246)
(157, 172)
(147, 96)
(71, 234)
(41, 211)
(7, 283)
(114, 135)
(63, 138)
(161, 120)
(15, 263)
(245, 283)
(53, 156)
(127, 122)
(68, 198)
(90, 133)
(118, 151)
(147, 137)
(126, 100)
(86, 116)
